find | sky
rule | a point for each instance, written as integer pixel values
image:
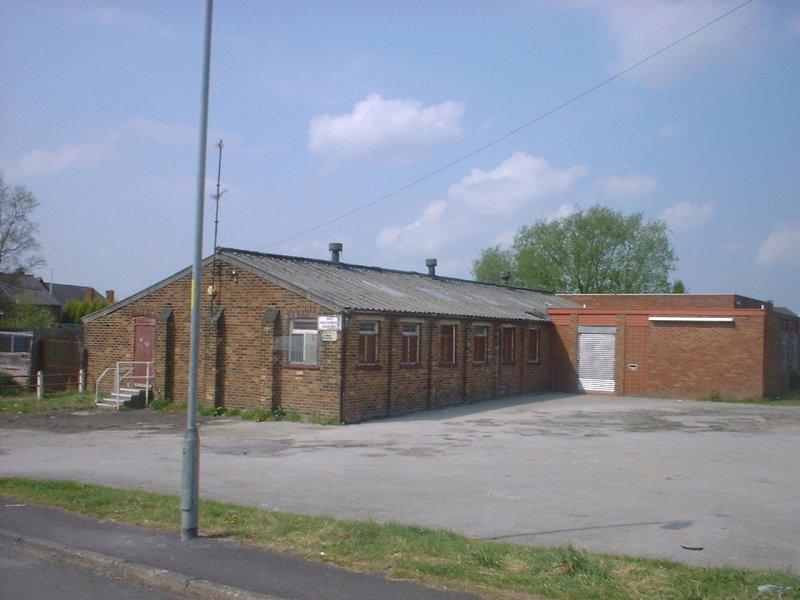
(326, 106)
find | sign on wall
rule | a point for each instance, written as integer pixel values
(330, 336)
(329, 323)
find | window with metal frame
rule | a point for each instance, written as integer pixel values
(507, 344)
(447, 344)
(533, 345)
(303, 342)
(479, 337)
(410, 335)
(367, 343)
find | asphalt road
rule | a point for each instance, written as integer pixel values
(25, 577)
(621, 475)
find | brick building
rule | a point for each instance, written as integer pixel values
(409, 341)
(674, 345)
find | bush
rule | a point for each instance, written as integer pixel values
(75, 310)
(794, 380)
(255, 414)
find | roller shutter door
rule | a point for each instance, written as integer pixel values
(596, 359)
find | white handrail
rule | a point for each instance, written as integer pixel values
(124, 370)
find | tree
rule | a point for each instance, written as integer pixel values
(75, 310)
(19, 248)
(678, 287)
(598, 250)
(493, 264)
(27, 315)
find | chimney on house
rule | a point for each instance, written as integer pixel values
(335, 250)
(87, 294)
(505, 277)
(110, 296)
(431, 264)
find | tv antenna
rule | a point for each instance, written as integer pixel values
(216, 197)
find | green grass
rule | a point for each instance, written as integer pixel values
(438, 558)
(53, 402)
(251, 414)
(790, 398)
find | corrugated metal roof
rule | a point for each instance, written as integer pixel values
(345, 286)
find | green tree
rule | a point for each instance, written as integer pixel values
(75, 310)
(493, 264)
(598, 250)
(678, 287)
(27, 315)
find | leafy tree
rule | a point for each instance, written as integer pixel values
(678, 287)
(75, 310)
(598, 250)
(493, 263)
(19, 248)
(27, 315)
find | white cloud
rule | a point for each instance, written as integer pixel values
(780, 247)
(793, 26)
(641, 28)
(391, 131)
(42, 162)
(668, 130)
(99, 148)
(684, 216)
(483, 206)
(518, 181)
(632, 185)
(114, 16)
(564, 211)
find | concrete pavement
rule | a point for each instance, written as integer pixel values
(624, 475)
(276, 575)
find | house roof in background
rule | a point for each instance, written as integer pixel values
(64, 292)
(26, 288)
(360, 288)
(786, 312)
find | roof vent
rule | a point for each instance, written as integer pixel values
(505, 277)
(335, 249)
(431, 264)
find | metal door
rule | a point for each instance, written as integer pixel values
(596, 346)
(143, 338)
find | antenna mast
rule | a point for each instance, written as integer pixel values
(216, 198)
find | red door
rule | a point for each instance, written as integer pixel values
(144, 329)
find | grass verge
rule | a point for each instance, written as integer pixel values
(437, 558)
(790, 398)
(251, 414)
(55, 401)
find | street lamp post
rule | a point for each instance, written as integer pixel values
(190, 485)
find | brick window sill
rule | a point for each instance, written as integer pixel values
(479, 363)
(448, 365)
(369, 367)
(301, 367)
(533, 362)
(508, 364)
(409, 366)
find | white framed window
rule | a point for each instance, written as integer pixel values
(303, 342)
(368, 343)
(410, 333)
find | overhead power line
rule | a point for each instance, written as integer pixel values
(497, 140)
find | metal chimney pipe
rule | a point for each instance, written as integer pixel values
(505, 277)
(335, 249)
(431, 264)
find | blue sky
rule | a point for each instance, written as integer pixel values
(326, 106)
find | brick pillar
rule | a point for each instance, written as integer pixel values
(212, 393)
(163, 354)
(272, 358)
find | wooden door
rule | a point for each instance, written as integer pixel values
(144, 329)
(636, 338)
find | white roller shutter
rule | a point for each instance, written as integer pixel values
(596, 359)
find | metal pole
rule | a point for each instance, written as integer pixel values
(81, 381)
(39, 384)
(216, 197)
(190, 485)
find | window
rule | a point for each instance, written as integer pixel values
(368, 343)
(410, 334)
(479, 343)
(507, 342)
(533, 345)
(303, 342)
(447, 345)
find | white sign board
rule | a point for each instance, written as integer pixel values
(329, 323)
(330, 336)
